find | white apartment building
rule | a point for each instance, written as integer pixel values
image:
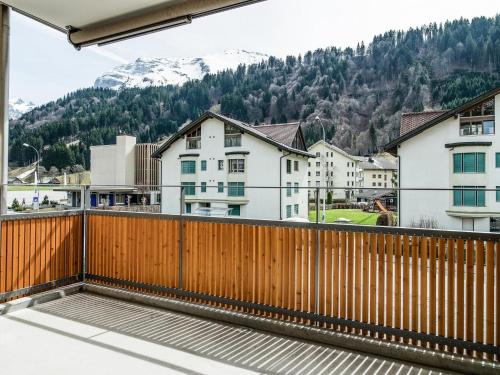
(218, 160)
(115, 170)
(458, 150)
(379, 171)
(333, 167)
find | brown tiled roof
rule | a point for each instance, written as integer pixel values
(413, 120)
(282, 133)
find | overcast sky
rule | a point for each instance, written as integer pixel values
(44, 66)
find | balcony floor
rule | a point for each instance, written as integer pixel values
(90, 334)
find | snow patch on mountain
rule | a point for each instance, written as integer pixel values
(163, 71)
(18, 107)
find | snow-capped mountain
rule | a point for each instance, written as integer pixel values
(18, 107)
(162, 71)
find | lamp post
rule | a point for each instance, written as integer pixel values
(324, 179)
(36, 171)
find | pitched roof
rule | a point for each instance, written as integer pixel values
(413, 120)
(442, 117)
(335, 148)
(283, 134)
(377, 162)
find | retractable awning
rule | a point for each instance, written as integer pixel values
(89, 22)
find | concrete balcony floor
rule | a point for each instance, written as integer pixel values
(90, 334)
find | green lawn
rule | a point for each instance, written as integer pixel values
(357, 216)
(27, 188)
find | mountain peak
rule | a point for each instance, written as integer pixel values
(18, 107)
(162, 71)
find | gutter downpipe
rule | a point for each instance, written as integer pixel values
(4, 104)
(281, 199)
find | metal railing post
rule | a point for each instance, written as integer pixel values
(85, 203)
(182, 198)
(317, 257)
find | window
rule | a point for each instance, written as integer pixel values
(203, 165)
(469, 162)
(193, 138)
(317, 154)
(288, 189)
(296, 187)
(348, 164)
(479, 119)
(469, 197)
(309, 164)
(188, 167)
(385, 184)
(288, 210)
(318, 164)
(288, 166)
(189, 188)
(296, 165)
(188, 208)
(236, 189)
(232, 136)
(347, 174)
(374, 176)
(385, 177)
(296, 209)
(220, 164)
(497, 160)
(379, 176)
(203, 187)
(236, 165)
(309, 173)
(220, 187)
(318, 173)
(498, 194)
(317, 183)
(374, 184)
(379, 184)
(234, 209)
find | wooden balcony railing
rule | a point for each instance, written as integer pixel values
(39, 251)
(434, 289)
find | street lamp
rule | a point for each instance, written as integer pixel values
(324, 179)
(36, 171)
(37, 161)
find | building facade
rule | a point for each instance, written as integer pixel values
(124, 173)
(227, 167)
(378, 171)
(457, 150)
(335, 169)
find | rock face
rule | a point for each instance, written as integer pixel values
(164, 71)
(18, 107)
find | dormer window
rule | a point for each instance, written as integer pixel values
(232, 136)
(479, 119)
(193, 138)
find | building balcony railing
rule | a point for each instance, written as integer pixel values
(425, 288)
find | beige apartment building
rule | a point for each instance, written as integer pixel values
(124, 173)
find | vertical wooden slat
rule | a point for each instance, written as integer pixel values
(424, 244)
(373, 279)
(381, 281)
(389, 277)
(3, 257)
(414, 283)
(450, 316)
(432, 286)
(479, 318)
(398, 319)
(350, 275)
(342, 280)
(366, 278)
(406, 282)
(497, 309)
(490, 293)
(357, 272)
(336, 275)
(460, 292)
(469, 292)
(441, 294)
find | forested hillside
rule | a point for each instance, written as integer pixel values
(358, 93)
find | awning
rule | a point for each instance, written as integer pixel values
(89, 22)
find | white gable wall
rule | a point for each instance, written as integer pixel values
(262, 165)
